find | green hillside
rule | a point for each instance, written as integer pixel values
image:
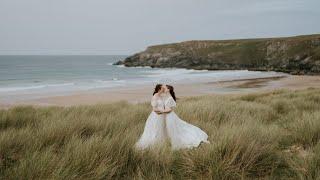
(295, 55)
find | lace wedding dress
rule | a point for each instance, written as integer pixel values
(154, 130)
(181, 133)
(160, 127)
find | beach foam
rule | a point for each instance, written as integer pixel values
(56, 75)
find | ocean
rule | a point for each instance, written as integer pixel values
(57, 75)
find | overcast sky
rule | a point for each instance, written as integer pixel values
(129, 26)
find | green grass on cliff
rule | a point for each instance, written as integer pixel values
(271, 135)
(248, 51)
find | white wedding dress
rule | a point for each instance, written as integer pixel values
(181, 133)
(160, 128)
(154, 130)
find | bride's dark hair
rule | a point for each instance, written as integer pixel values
(171, 90)
(157, 88)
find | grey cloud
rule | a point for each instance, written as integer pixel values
(128, 26)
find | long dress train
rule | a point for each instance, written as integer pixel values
(181, 133)
(154, 130)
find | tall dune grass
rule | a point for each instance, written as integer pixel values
(273, 135)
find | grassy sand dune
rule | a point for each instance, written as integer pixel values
(264, 135)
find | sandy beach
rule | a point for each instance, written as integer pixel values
(143, 93)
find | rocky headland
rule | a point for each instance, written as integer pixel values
(294, 55)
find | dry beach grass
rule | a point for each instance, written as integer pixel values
(271, 135)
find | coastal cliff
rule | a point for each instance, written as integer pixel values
(294, 55)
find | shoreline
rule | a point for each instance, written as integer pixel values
(143, 93)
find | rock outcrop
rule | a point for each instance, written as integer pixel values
(295, 55)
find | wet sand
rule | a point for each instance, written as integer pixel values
(144, 93)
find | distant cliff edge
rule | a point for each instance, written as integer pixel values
(294, 55)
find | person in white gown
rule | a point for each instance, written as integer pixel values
(163, 124)
(154, 130)
(181, 133)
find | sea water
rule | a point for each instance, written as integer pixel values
(56, 75)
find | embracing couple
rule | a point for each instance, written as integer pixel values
(163, 124)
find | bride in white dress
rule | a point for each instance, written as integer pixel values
(163, 124)
(181, 133)
(154, 130)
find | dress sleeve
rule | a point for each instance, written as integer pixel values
(154, 101)
(170, 103)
